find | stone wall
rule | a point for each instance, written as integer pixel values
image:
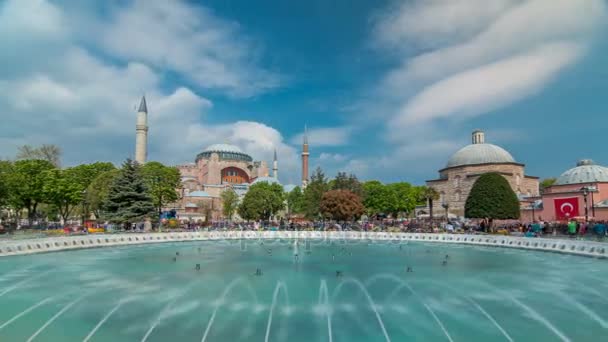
(20, 247)
(456, 183)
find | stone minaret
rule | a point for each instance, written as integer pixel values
(275, 166)
(141, 135)
(305, 155)
(478, 137)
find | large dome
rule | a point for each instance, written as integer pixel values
(480, 154)
(225, 152)
(586, 171)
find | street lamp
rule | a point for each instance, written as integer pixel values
(585, 193)
(84, 198)
(446, 206)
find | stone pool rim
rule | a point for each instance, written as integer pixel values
(63, 243)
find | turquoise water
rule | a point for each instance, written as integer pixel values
(139, 293)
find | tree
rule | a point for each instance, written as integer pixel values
(402, 197)
(26, 183)
(261, 201)
(346, 182)
(429, 195)
(230, 201)
(314, 193)
(341, 205)
(295, 201)
(62, 191)
(375, 197)
(128, 200)
(97, 191)
(50, 153)
(492, 197)
(162, 182)
(5, 170)
(547, 182)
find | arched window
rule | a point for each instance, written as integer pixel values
(517, 180)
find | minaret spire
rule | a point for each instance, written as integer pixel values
(305, 155)
(141, 132)
(275, 166)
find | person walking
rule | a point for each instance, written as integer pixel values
(572, 228)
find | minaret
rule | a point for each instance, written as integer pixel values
(141, 135)
(275, 166)
(305, 159)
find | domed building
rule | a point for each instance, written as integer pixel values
(579, 192)
(464, 167)
(214, 169)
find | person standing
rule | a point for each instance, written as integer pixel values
(571, 228)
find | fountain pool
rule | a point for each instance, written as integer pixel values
(315, 290)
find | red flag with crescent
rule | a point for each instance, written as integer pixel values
(566, 208)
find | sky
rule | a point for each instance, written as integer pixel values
(388, 89)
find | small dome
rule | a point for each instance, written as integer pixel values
(269, 180)
(480, 154)
(586, 171)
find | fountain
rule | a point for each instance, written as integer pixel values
(341, 289)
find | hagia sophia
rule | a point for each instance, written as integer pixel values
(580, 192)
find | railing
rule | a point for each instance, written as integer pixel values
(578, 247)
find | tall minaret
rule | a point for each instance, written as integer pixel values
(141, 135)
(275, 166)
(305, 159)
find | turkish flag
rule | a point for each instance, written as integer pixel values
(566, 208)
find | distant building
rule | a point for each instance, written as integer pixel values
(565, 199)
(464, 167)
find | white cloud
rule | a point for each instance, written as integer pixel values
(332, 157)
(190, 40)
(324, 136)
(86, 104)
(489, 87)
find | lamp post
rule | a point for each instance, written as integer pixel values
(446, 206)
(585, 193)
(84, 196)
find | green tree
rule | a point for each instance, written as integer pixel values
(295, 201)
(547, 182)
(314, 193)
(341, 205)
(402, 198)
(97, 191)
(261, 201)
(162, 182)
(50, 153)
(230, 201)
(26, 183)
(375, 197)
(6, 168)
(429, 194)
(62, 191)
(128, 199)
(491, 197)
(346, 182)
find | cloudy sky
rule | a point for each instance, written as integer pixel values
(388, 89)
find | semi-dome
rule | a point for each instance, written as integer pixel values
(586, 171)
(225, 152)
(480, 154)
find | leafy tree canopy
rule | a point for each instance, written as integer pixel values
(492, 197)
(295, 201)
(230, 201)
(341, 205)
(261, 201)
(314, 193)
(50, 153)
(162, 183)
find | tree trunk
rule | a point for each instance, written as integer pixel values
(431, 208)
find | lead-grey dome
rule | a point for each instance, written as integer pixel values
(586, 171)
(480, 153)
(225, 152)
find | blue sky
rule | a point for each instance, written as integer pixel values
(388, 89)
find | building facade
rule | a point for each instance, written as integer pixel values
(579, 193)
(464, 167)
